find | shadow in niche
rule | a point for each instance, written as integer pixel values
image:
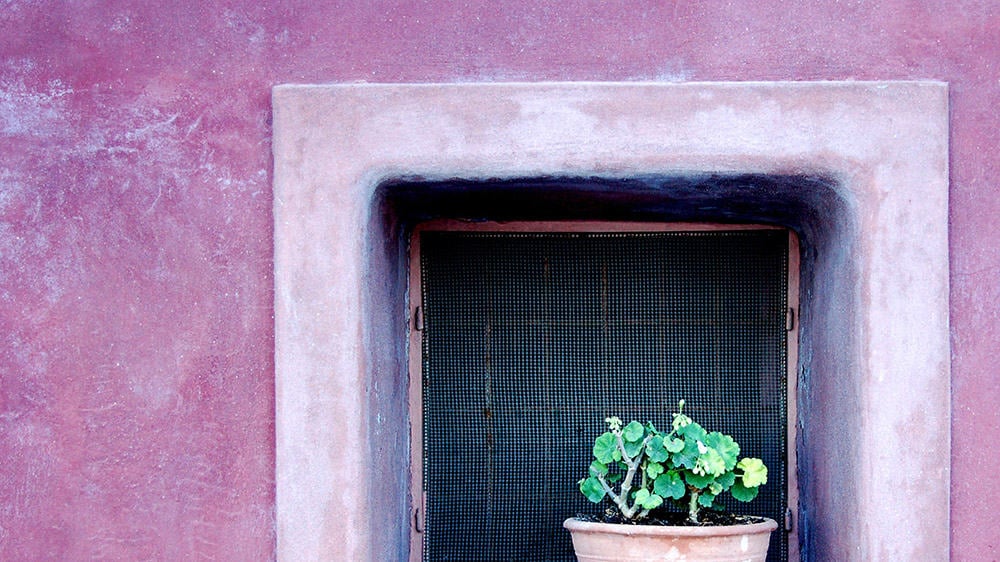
(815, 207)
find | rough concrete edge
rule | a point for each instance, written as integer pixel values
(303, 531)
(930, 516)
(290, 89)
(290, 86)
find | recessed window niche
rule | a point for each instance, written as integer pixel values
(858, 170)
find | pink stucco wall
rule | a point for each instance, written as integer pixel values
(136, 335)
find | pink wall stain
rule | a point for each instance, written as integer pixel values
(136, 370)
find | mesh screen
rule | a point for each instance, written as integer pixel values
(531, 340)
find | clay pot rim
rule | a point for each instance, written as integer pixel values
(578, 526)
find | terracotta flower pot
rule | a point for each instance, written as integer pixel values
(607, 542)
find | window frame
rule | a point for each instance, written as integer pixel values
(860, 170)
(418, 497)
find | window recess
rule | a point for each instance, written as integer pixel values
(525, 336)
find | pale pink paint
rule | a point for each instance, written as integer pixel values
(858, 169)
(136, 374)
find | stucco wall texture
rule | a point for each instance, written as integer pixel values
(136, 305)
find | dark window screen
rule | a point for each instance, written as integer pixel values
(531, 339)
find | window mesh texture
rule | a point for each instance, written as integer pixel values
(531, 339)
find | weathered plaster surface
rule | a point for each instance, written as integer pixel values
(122, 231)
(876, 343)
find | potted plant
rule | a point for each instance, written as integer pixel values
(640, 468)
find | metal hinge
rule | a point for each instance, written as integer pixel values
(418, 521)
(788, 519)
(790, 320)
(418, 319)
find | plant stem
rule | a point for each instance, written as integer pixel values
(621, 500)
(693, 507)
(632, 463)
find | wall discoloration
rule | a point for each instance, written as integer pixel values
(126, 237)
(135, 306)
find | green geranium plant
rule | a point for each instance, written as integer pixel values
(639, 467)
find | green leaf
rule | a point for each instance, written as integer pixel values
(655, 449)
(597, 467)
(688, 456)
(653, 470)
(692, 431)
(633, 431)
(612, 478)
(645, 499)
(652, 501)
(605, 448)
(754, 472)
(592, 489)
(700, 481)
(674, 445)
(726, 446)
(669, 485)
(634, 448)
(718, 505)
(726, 480)
(706, 499)
(710, 462)
(742, 493)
